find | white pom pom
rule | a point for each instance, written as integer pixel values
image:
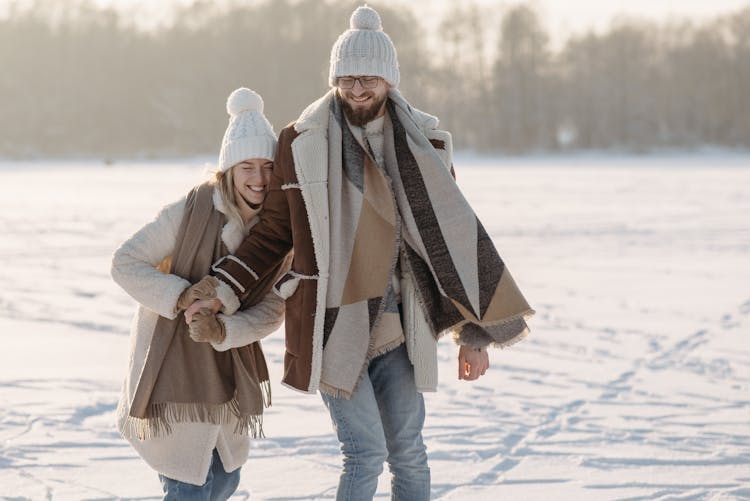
(244, 99)
(365, 18)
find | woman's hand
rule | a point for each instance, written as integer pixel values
(204, 289)
(214, 305)
(206, 328)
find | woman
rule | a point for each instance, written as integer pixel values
(195, 392)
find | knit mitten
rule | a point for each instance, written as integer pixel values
(204, 289)
(206, 328)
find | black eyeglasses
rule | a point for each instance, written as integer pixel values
(365, 82)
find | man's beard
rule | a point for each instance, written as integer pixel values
(361, 116)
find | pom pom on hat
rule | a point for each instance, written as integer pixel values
(365, 18)
(244, 99)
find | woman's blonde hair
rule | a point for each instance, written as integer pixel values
(224, 182)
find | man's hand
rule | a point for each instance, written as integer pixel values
(472, 363)
(204, 289)
(213, 305)
(206, 328)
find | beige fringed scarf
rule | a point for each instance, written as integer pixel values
(185, 381)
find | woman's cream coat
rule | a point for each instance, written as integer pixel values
(185, 454)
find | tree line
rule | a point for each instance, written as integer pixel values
(86, 81)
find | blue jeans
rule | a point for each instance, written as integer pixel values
(219, 485)
(382, 421)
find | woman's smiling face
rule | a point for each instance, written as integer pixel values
(251, 178)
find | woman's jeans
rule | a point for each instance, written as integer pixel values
(219, 485)
(382, 421)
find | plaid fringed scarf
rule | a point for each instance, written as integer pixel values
(461, 281)
(413, 211)
(364, 242)
(185, 381)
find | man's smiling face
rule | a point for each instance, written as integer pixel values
(364, 101)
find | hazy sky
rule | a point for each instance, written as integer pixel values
(574, 15)
(561, 16)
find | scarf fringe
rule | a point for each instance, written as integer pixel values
(386, 348)
(525, 315)
(265, 390)
(333, 391)
(250, 425)
(510, 342)
(163, 415)
(455, 330)
(338, 392)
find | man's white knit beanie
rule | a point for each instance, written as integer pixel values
(364, 49)
(249, 134)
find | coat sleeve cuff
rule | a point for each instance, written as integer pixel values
(235, 273)
(229, 300)
(252, 324)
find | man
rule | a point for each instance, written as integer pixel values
(388, 256)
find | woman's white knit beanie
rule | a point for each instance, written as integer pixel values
(249, 134)
(364, 49)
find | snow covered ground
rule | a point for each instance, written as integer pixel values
(633, 385)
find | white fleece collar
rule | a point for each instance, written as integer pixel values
(316, 114)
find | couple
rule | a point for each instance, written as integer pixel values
(387, 256)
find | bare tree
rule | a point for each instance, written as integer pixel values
(79, 80)
(520, 82)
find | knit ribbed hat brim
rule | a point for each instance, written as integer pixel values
(253, 147)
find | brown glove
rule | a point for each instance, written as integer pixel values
(204, 289)
(206, 328)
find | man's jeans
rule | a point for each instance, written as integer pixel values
(382, 422)
(219, 485)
